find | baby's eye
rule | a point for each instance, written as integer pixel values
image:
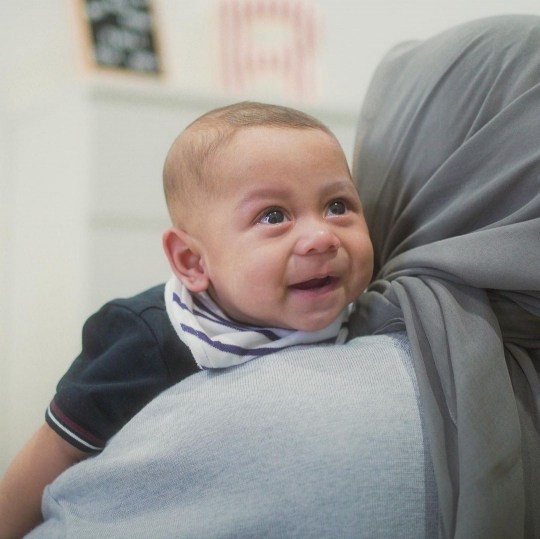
(273, 217)
(336, 208)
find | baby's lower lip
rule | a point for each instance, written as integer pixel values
(314, 285)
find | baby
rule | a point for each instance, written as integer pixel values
(268, 233)
(268, 249)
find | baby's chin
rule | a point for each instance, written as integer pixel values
(298, 325)
(311, 323)
(307, 322)
(312, 326)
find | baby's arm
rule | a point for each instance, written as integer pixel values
(44, 457)
(130, 354)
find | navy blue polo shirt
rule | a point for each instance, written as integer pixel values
(130, 354)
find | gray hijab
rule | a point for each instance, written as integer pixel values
(447, 165)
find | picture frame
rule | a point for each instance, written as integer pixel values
(120, 36)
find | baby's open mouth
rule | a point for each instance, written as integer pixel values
(314, 284)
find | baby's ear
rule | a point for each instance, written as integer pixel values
(185, 259)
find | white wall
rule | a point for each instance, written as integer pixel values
(66, 242)
(4, 306)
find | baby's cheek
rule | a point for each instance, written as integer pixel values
(364, 250)
(363, 268)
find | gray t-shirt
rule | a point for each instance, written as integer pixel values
(320, 442)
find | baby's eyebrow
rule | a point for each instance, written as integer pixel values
(339, 186)
(262, 193)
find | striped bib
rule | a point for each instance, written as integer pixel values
(217, 341)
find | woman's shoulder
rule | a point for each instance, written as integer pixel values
(397, 340)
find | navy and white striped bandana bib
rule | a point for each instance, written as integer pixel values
(217, 341)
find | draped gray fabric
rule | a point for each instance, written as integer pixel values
(447, 165)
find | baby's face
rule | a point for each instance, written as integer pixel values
(284, 242)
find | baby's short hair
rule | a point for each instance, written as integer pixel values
(189, 161)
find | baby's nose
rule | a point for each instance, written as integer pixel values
(315, 241)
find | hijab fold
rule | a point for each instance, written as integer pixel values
(447, 164)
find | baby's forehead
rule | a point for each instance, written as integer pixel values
(260, 142)
(208, 137)
(219, 154)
